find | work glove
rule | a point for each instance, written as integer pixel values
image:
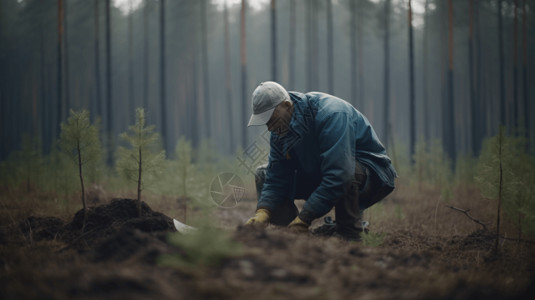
(261, 218)
(298, 226)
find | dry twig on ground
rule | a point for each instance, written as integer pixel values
(466, 212)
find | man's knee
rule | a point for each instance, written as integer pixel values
(260, 174)
(260, 178)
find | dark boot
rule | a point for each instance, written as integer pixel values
(349, 223)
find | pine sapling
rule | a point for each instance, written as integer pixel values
(79, 141)
(494, 174)
(141, 162)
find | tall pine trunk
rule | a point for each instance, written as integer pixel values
(291, 79)
(205, 72)
(45, 114)
(145, 56)
(516, 123)
(243, 62)
(312, 45)
(109, 100)
(131, 95)
(503, 118)
(412, 96)
(59, 108)
(448, 127)
(68, 104)
(425, 100)
(353, 51)
(273, 40)
(228, 81)
(473, 101)
(360, 67)
(386, 88)
(330, 49)
(524, 72)
(163, 108)
(98, 103)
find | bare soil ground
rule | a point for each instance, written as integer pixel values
(423, 250)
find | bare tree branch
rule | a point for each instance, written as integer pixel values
(466, 212)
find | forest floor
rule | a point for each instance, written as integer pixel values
(418, 248)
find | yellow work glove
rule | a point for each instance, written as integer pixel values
(261, 217)
(298, 226)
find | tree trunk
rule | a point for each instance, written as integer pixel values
(243, 54)
(425, 100)
(291, 80)
(205, 71)
(273, 40)
(315, 62)
(353, 51)
(163, 108)
(524, 72)
(131, 103)
(448, 127)
(145, 56)
(360, 72)
(97, 63)
(386, 112)
(68, 104)
(503, 118)
(60, 73)
(44, 111)
(412, 96)
(109, 100)
(473, 101)
(481, 102)
(312, 45)
(516, 123)
(228, 81)
(330, 49)
(309, 44)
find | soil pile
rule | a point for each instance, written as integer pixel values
(114, 231)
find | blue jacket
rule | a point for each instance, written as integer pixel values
(325, 138)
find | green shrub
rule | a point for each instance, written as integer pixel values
(373, 239)
(206, 247)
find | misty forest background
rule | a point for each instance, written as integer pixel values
(461, 70)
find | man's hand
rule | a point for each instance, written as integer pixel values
(298, 226)
(261, 218)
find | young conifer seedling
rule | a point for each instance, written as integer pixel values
(79, 140)
(141, 162)
(493, 172)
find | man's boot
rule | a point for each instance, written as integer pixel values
(349, 223)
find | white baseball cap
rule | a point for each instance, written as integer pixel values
(266, 97)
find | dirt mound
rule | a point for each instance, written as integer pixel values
(121, 212)
(113, 231)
